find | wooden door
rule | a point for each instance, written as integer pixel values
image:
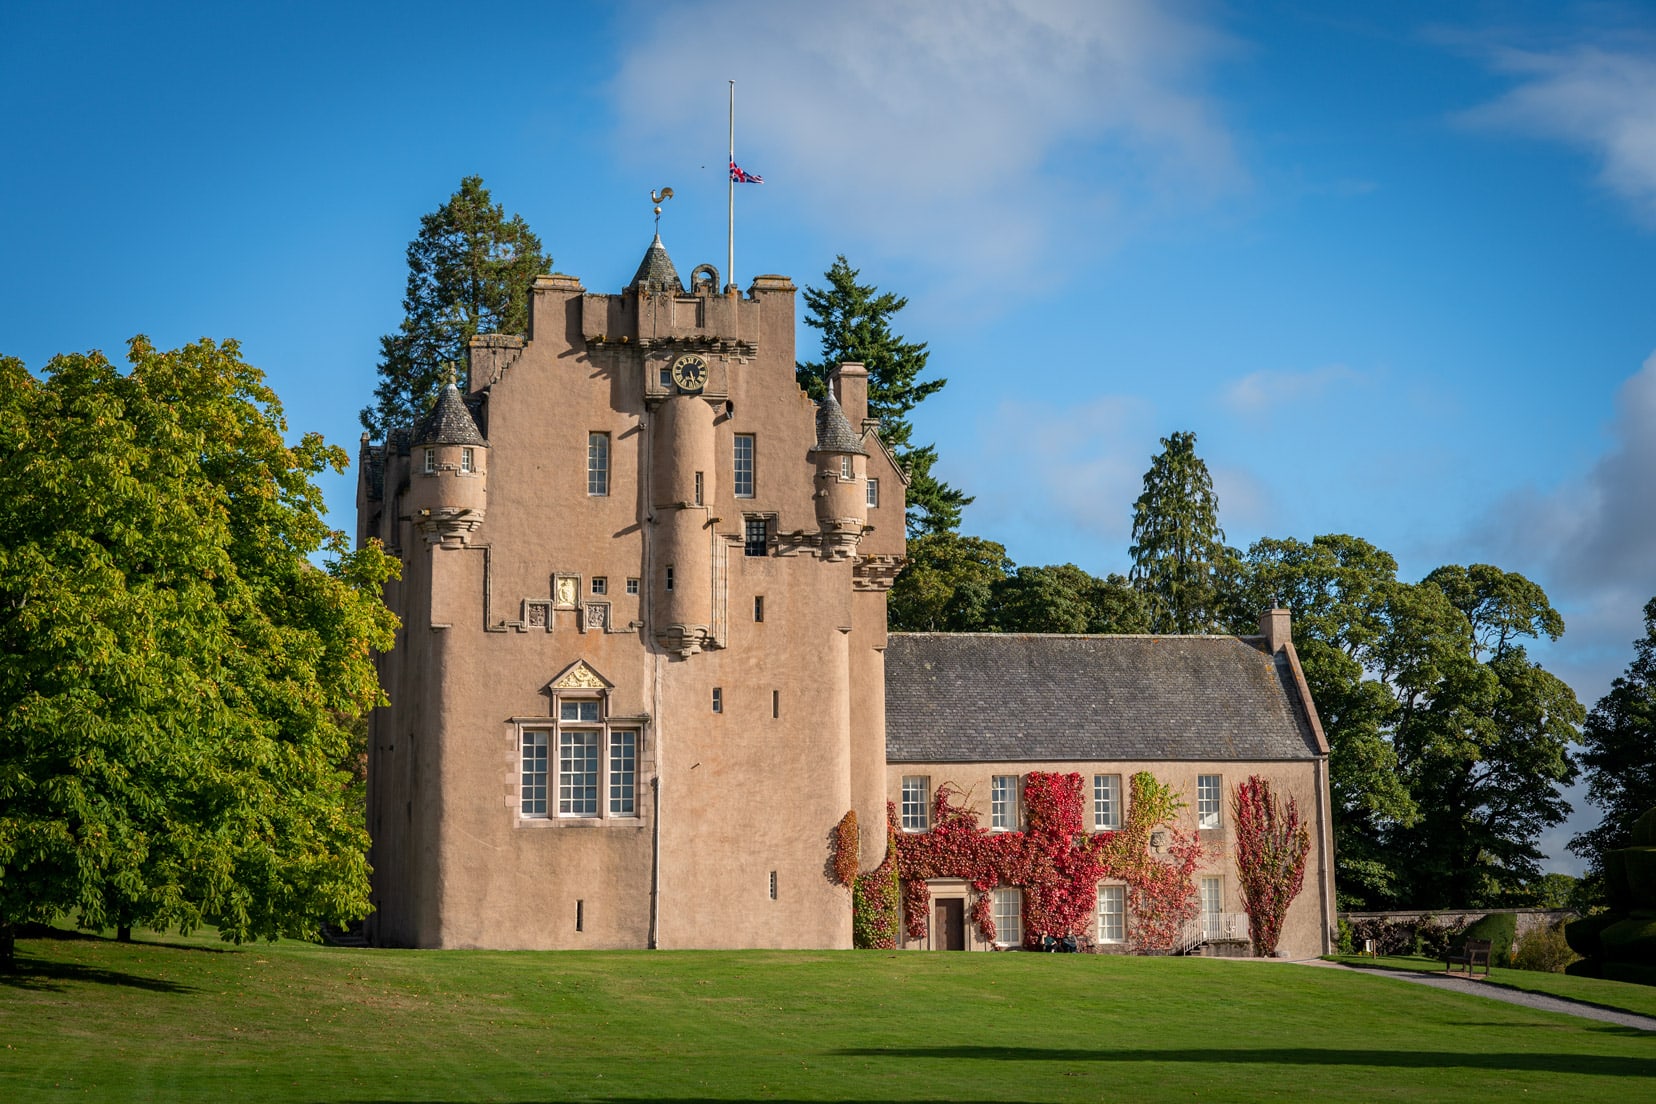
(949, 924)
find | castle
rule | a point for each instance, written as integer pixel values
(643, 661)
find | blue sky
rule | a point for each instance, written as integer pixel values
(1394, 264)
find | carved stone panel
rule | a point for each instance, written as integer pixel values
(596, 617)
(566, 592)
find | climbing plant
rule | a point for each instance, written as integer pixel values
(1054, 861)
(874, 897)
(1271, 845)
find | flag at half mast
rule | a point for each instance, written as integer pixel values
(742, 176)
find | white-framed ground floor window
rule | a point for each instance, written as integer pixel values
(1007, 905)
(1112, 914)
(1213, 901)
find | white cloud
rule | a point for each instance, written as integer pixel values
(1264, 391)
(1602, 100)
(980, 132)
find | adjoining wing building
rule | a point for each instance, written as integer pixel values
(644, 671)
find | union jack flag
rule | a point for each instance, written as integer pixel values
(742, 176)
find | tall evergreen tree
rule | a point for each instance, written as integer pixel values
(469, 272)
(855, 320)
(1619, 753)
(1178, 548)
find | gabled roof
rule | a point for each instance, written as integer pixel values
(833, 431)
(656, 272)
(449, 422)
(978, 697)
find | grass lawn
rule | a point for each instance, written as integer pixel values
(1619, 995)
(189, 1019)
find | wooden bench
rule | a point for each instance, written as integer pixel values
(1473, 955)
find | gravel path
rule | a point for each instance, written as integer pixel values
(1538, 1001)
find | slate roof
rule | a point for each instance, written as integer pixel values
(656, 272)
(834, 432)
(449, 422)
(978, 697)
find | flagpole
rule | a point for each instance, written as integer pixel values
(730, 186)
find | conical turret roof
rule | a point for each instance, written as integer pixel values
(656, 272)
(834, 432)
(449, 422)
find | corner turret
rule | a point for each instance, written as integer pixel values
(448, 484)
(841, 503)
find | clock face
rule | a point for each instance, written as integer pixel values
(690, 372)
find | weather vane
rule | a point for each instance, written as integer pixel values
(658, 198)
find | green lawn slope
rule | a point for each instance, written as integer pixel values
(1617, 995)
(191, 1020)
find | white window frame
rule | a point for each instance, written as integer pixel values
(1006, 904)
(1003, 803)
(431, 461)
(916, 803)
(1209, 800)
(1112, 914)
(744, 465)
(873, 493)
(468, 460)
(598, 465)
(1106, 802)
(632, 586)
(845, 469)
(556, 783)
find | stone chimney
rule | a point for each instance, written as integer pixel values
(849, 382)
(1276, 626)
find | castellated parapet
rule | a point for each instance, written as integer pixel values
(643, 603)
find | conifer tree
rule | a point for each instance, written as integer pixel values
(1178, 547)
(855, 320)
(469, 272)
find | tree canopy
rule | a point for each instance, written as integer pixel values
(469, 272)
(1619, 753)
(855, 320)
(178, 675)
(1178, 548)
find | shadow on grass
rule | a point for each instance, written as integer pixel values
(80, 935)
(43, 976)
(1527, 1061)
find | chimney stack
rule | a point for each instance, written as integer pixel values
(849, 382)
(1276, 626)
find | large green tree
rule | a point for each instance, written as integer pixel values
(1178, 548)
(178, 675)
(948, 584)
(855, 320)
(1063, 598)
(469, 272)
(1619, 753)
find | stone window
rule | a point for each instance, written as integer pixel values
(1106, 802)
(592, 759)
(718, 699)
(1003, 802)
(698, 488)
(1207, 801)
(755, 536)
(743, 478)
(845, 469)
(873, 492)
(600, 584)
(1112, 913)
(598, 464)
(1008, 907)
(430, 461)
(916, 802)
(468, 460)
(632, 586)
(759, 607)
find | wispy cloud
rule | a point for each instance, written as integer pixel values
(1263, 391)
(1597, 98)
(974, 132)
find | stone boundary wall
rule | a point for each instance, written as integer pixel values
(1529, 919)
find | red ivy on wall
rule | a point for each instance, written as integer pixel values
(1056, 862)
(1271, 845)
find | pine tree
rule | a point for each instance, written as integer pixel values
(855, 320)
(469, 272)
(1178, 546)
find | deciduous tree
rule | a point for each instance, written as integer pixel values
(855, 320)
(948, 584)
(1619, 753)
(178, 674)
(469, 272)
